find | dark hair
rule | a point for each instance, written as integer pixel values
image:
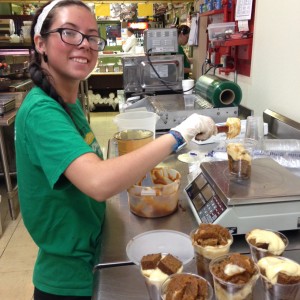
(184, 29)
(40, 76)
(130, 29)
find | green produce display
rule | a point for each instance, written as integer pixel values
(218, 91)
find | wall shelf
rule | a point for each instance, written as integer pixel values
(234, 54)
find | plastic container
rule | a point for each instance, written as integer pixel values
(158, 200)
(164, 241)
(132, 139)
(137, 120)
(219, 31)
(188, 86)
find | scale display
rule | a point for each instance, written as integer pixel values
(205, 201)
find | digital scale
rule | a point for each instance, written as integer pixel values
(269, 199)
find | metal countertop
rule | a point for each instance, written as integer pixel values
(125, 282)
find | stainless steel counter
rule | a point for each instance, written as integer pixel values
(125, 282)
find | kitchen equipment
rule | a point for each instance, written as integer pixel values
(160, 40)
(172, 111)
(152, 74)
(7, 103)
(271, 194)
(218, 91)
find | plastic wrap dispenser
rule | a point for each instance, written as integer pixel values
(218, 91)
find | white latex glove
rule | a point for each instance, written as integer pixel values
(201, 127)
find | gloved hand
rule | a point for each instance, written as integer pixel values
(198, 126)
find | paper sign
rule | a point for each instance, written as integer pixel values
(243, 10)
(243, 26)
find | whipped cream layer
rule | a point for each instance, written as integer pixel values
(212, 252)
(275, 265)
(238, 152)
(276, 244)
(232, 269)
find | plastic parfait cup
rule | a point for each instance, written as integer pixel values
(156, 268)
(205, 253)
(235, 276)
(265, 242)
(240, 158)
(280, 277)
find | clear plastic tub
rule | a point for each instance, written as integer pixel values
(137, 120)
(219, 31)
(158, 200)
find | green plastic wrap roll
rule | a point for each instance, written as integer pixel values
(218, 91)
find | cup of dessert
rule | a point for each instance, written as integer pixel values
(234, 275)
(156, 268)
(209, 241)
(265, 242)
(239, 154)
(280, 277)
(186, 286)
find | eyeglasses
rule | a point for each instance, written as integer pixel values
(74, 37)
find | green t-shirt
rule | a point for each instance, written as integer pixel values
(186, 62)
(64, 223)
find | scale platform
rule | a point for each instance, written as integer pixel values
(269, 199)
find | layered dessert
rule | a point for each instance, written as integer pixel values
(186, 287)
(156, 268)
(281, 277)
(265, 243)
(234, 276)
(209, 241)
(234, 127)
(239, 159)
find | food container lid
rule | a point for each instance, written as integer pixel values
(160, 241)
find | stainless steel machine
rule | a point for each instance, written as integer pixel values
(154, 83)
(172, 111)
(270, 199)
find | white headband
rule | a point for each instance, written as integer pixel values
(40, 21)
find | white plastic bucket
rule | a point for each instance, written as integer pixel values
(137, 120)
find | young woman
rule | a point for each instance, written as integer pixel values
(63, 180)
(183, 37)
